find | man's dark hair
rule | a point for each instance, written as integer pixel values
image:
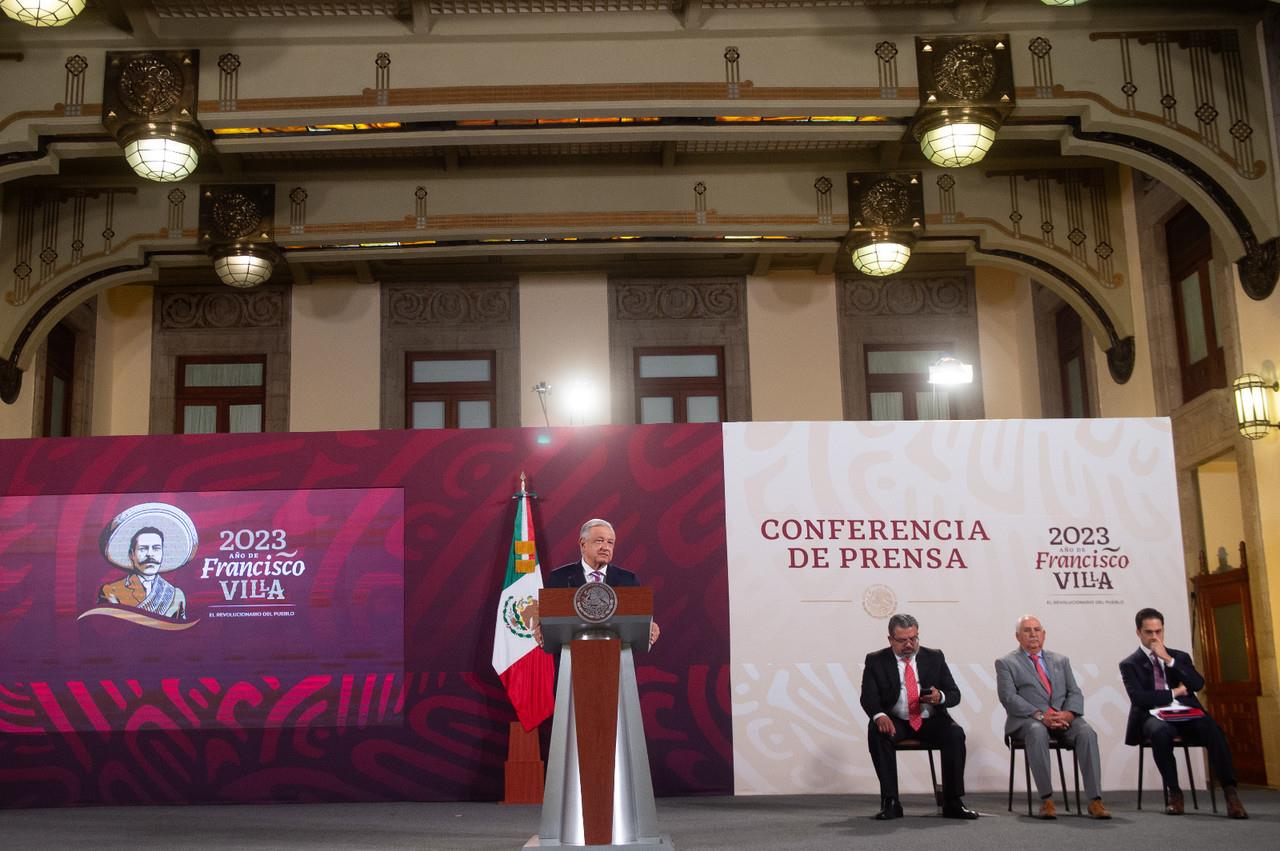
(145, 530)
(901, 621)
(1146, 615)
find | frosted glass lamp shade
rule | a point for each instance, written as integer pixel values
(242, 271)
(879, 259)
(161, 158)
(1064, 2)
(42, 13)
(958, 144)
(1252, 396)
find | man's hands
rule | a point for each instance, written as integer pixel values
(653, 633)
(1157, 647)
(932, 696)
(885, 725)
(529, 614)
(1058, 719)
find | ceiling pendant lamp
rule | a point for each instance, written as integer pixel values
(149, 105)
(966, 92)
(1064, 2)
(886, 215)
(236, 223)
(42, 13)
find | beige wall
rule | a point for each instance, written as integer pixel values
(564, 341)
(1221, 513)
(1136, 397)
(122, 361)
(334, 374)
(1006, 344)
(1259, 353)
(16, 419)
(794, 347)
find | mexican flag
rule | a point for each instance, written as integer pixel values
(525, 670)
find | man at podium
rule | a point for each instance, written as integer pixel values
(596, 540)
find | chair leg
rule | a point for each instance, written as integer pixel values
(1062, 781)
(933, 776)
(1141, 753)
(1075, 770)
(1209, 781)
(1026, 775)
(1012, 754)
(1191, 775)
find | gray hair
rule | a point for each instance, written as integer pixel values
(1018, 627)
(901, 621)
(590, 524)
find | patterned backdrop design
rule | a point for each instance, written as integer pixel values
(435, 730)
(967, 525)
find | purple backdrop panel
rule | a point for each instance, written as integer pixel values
(661, 486)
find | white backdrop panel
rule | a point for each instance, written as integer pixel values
(1074, 521)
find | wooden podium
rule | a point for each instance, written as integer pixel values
(598, 792)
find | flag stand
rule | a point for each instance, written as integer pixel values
(524, 768)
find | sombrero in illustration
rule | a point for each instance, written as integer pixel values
(145, 541)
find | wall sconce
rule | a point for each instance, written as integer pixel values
(236, 221)
(947, 371)
(1253, 405)
(886, 214)
(149, 105)
(966, 92)
(42, 13)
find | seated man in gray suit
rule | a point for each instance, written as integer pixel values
(1039, 692)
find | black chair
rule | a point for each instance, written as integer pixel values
(917, 745)
(1186, 743)
(1015, 744)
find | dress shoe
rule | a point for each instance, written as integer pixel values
(1235, 809)
(1174, 805)
(1097, 810)
(890, 808)
(1047, 809)
(955, 808)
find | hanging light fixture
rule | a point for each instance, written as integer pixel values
(1252, 396)
(42, 13)
(886, 214)
(236, 222)
(149, 105)
(966, 92)
(1064, 2)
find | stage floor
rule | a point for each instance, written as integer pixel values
(782, 822)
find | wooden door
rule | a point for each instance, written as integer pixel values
(1229, 654)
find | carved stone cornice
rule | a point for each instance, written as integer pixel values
(720, 300)
(904, 295)
(221, 310)
(450, 304)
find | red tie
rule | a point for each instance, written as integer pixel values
(913, 697)
(596, 576)
(1043, 677)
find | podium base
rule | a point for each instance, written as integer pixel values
(662, 843)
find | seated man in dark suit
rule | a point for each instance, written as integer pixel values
(1155, 676)
(906, 690)
(595, 543)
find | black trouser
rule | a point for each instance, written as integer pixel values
(938, 731)
(1203, 731)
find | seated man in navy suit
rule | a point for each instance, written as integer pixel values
(596, 540)
(1155, 676)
